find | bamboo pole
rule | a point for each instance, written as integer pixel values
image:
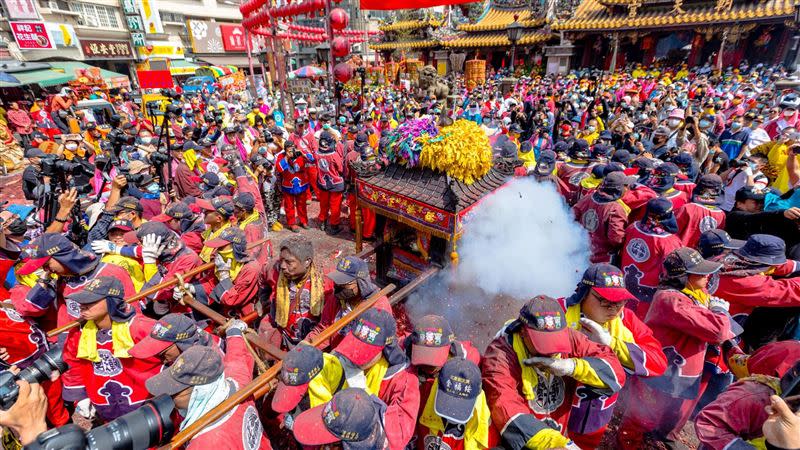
(153, 290)
(256, 388)
(249, 334)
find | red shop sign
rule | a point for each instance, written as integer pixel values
(233, 38)
(32, 36)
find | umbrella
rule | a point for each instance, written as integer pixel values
(8, 78)
(308, 72)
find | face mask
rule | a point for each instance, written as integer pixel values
(674, 123)
(344, 293)
(704, 124)
(643, 117)
(71, 146)
(636, 136)
(153, 188)
(788, 113)
(735, 126)
(146, 140)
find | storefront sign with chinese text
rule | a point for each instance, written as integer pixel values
(32, 36)
(104, 49)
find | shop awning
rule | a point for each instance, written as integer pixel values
(42, 77)
(182, 67)
(112, 79)
(238, 61)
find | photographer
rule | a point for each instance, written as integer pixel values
(745, 172)
(31, 176)
(291, 168)
(27, 417)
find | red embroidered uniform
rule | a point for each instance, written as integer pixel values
(636, 197)
(685, 329)
(749, 291)
(41, 301)
(677, 198)
(331, 174)
(572, 174)
(25, 343)
(300, 321)
(294, 182)
(605, 222)
(643, 256)
(367, 215)
(238, 296)
(114, 385)
(694, 219)
(519, 419)
(400, 391)
(333, 311)
(185, 261)
(240, 428)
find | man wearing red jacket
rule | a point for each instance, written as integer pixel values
(647, 243)
(455, 414)
(180, 218)
(735, 418)
(74, 268)
(597, 309)
(605, 217)
(703, 213)
(750, 276)
(23, 343)
(361, 152)
(237, 273)
(351, 286)
(201, 379)
(291, 169)
(299, 292)
(372, 360)
(662, 181)
(532, 369)
(331, 173)
(305, 143)
(576, 169)
(687, 321)
(103, 378)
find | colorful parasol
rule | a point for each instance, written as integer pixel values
(308, 72)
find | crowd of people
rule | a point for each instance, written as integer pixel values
(687, 312)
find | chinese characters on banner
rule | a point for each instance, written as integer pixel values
(233, 38)
(21, 9)
(32, 36)
(104, 49)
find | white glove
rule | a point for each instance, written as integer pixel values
(86, 409)
(718, 304)
(572, 446)
(151, 248)
(237, 324)
(596, 332)
(558, 367)
(223, 267)
(102, 246)
(177, 292)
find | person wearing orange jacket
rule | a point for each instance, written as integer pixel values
(735, 418)
(597, 309)
(688, 322)
(372, 360)
(531, 371)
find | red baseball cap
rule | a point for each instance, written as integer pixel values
(373, 330)
(545, 325)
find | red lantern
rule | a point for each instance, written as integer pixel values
(343, 72)
(340, 47)
(339, 19)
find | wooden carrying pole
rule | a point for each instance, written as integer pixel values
(256, 387)
(153, 290)
(251, 336)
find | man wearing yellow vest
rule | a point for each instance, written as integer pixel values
(218, 213)
(372, 360)
(530, 372)
(455, 414)
(103, 379)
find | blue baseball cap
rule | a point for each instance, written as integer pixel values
(170, 329)
(98, 289)
(352, 417)
(459, 387)
(300, 365)
(348, 269)
(713, 241)
(431, 341)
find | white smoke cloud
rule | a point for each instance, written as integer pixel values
(520, 242)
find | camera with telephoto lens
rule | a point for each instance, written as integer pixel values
(41, 369)
(146, 427)
(174, 109)
(158, 158)
(53, 166)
